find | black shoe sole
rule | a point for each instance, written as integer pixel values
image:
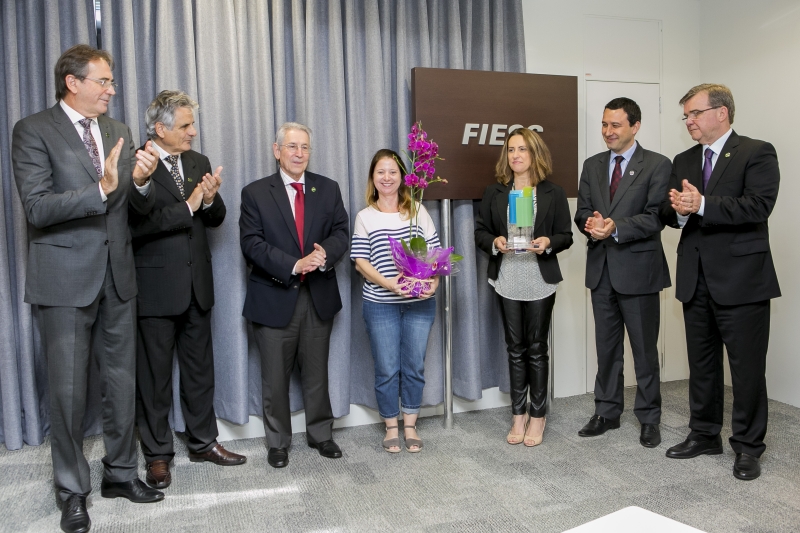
(710, 451)
(745, 478)
(649, 444)
(278, 465)
(114, 494)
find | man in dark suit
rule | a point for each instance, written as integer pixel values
(293, 228)
(176, 292)
(78, 173)
(618, 199)
(722, 192)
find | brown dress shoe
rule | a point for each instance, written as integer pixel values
(219, 456)
(158, 475)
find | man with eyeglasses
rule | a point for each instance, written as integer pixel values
(176, 293)
(78, 174)
(293, 230)
(722, 192)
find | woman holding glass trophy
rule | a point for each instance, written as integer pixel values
(523, 223)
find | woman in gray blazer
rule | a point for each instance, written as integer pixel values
(525, 280)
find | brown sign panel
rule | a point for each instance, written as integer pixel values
(468, 113)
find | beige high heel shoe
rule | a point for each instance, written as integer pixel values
(516, 438)
(534, 440)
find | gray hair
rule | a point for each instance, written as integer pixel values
(163, 107)
(718, 95)
(288, 126)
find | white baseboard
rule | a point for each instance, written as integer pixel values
(359, 416)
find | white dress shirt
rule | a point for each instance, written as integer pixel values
(292, 193)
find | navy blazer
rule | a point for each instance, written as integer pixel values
(731, 239)
(552, 221)
(268, 237)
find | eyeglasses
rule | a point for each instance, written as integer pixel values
(104, 83)
(294, 148)
(697, 112)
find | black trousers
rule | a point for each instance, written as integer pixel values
(744, 330)
(303, 342)
(190, 333)
(75, 339)
(640, 315)
(526, 326)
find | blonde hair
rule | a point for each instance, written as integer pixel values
(403, 193)
(541, 161)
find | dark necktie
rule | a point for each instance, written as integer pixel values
(707, 168)
(176, 173)
(91, 146)
(616, 177)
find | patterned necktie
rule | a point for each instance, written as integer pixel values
(707, 168)
(176, 174)
(91, 146)
(616, 177)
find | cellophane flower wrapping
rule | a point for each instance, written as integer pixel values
(416, 271)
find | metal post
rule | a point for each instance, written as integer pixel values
(447, 323)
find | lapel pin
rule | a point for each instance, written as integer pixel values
(107, 135)
(631, 172)
(313, 189)
(727, 154)
(189, 180)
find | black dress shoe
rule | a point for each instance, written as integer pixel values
(598, 425)
(745, 467)
(135, 490)
(219, 456)
(278, 457)
(692, 448)
(74, 516)
(327, 448)
(650, 436)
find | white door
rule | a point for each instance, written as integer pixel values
(598, 94)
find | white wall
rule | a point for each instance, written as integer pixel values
(554, 44)
(752, 47)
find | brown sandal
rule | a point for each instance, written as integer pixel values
(412, 442)
(388, 444)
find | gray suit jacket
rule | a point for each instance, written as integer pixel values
(636, 262)
(72, 233)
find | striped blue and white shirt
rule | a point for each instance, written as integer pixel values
(371, 233)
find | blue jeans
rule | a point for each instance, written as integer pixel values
(398, 335)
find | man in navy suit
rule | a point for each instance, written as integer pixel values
(293, 229)
(176, 292)
(722, 192)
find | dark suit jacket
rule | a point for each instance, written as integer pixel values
(72, 233)
(552, 221)
(732, 238)
(270, 245)
(170, 246)
(636, 262)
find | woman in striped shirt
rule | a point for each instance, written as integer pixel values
(398, 325)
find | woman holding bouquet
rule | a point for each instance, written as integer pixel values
(525, 280)
(398, 324)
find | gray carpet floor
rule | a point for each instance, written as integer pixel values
(465, 479)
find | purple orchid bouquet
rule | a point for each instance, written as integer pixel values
(414, 261)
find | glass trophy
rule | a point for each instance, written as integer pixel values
(520, 217)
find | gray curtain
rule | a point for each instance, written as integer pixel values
(342, 67)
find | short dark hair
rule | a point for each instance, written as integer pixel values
(630, 107)
(75, 61)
